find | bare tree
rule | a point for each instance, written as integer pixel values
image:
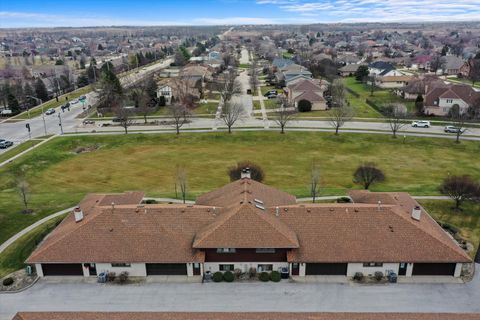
(460, 188)
(185, 92)
(228, 85)
(366, 174)
(179, 114)
(458, 119)
(285, 113)
(254, 82)
(140, 93)
(124, 117)
(396, 113)
(181, 180)
(338, 92)
(24, 192)
(339, 116)
(474, 70)
(231, 113)
(314, 180)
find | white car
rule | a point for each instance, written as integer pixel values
(421, 124)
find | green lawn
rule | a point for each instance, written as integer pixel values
(206, 108)
(12, 259)
(17, 149)
(265, 89)
(467, 220)
(59, 177)
(34, 112)
(465, 81)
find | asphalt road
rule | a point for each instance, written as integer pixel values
(17, 131)
(244, 297)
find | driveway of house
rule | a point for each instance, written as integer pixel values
(244, 297)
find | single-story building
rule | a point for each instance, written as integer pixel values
(246, 224)
(306, 89)
(348, 70)
(393, 82)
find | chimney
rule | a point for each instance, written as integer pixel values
(416, 213)
(78, 214)
(245, 173)
(277, 211)
(379, 205)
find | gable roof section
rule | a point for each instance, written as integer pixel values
(246, 226)
(310, 96)
(245, 190)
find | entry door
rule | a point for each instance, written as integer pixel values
(196, 269)
(402, 270)
(295, 269)
(92, 269)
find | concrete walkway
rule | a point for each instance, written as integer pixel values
(4, 245)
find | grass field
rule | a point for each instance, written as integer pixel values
(17, 149)
(36, 111)
(467, 220)
(12, 259)
(59, 177)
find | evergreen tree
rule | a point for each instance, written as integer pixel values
(40, 90)
(12, 103)
(82, 80)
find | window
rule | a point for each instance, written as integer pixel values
(449, 101)
(119, 265)
(265, 250)
(265, 267)
(373, 264)
(226, 267)
(226, 250)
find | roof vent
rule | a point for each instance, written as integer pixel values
(416, 213)
(78, 214)
(245, 174)
(379, 205)
(258, 201)
(259, 206)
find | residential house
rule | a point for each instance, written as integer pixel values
(165, 90)
(241, 316)
(196, 72)
(306, 89)
(451, 65)
(441, 98)
(418, 86)
(393, 82)
(280, 63)
(290, 73)
(382, 68)
(348, 70)
(246, 224)
(422, 62)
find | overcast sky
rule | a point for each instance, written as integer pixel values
(18, 13)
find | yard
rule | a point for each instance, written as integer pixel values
(59, 177)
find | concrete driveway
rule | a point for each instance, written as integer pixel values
(244, 297)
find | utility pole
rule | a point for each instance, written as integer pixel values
(43, 114)
(60, 123)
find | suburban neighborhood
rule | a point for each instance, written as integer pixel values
(300, 159)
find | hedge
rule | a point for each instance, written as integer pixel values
(264, 276)
(228, 276)
(275, 276)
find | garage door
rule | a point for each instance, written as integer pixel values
(433, 269)
(62, 269)
(326, 269)
(166, 269)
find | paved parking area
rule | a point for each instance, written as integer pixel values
(282, 297)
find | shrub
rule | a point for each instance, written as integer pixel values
(237, 273)
(256, 172)
(378, 275)
(217, 276)
(151, 201)
(275, 276)
(343, 200)
(358, 276)
(228, 276)
(8, 281)
(304, 106)
(264, 276)
(123, 277)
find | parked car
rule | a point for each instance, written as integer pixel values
(117, 119)
(272, 96)
(6, 112)
(271, 92)
(421, 124)
(453, 129)
(82, 98)
(74, 101)
(5, 144)
(50, 111)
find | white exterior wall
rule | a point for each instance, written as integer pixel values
(409, 270)
(135, 269)
(391, 85)
(86, 271)
(38, 268)
(301, 270)
(458, 270)
(244, 266)
(444, 104)
(190, 269)
(358, 267)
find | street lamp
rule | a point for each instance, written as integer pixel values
(43, 114)
(60, 123)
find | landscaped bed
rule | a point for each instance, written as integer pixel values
(59, 177)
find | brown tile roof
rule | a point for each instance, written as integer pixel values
(464, 92)
(132, 197)
(239, 316)
(356, 232)
(246, 226)
(305, 85)
(395, 78)
(245, 190)
(310, 96)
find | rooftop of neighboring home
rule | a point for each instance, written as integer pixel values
(240, 316)
(248, 214)
(452, 62)
(395, 78)
(281, 62)
(451, 91)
